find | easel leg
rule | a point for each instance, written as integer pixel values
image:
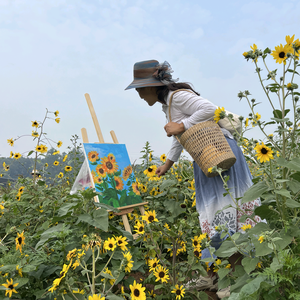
(126, 223)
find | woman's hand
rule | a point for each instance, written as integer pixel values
(173, 128)
(161, 170)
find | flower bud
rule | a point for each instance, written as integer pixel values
(240, 95)
(298, 110)
(241, 118)
(296, 98)
(289, 123)
(247, 93)
(250, 114)
(252, 100)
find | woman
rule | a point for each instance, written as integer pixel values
(154, 83)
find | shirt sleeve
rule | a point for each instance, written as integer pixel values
(175, 151)
(196, 108)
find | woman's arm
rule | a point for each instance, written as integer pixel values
(161, 170)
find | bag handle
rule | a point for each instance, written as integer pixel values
(170, 102)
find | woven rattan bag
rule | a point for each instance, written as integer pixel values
(207, 145)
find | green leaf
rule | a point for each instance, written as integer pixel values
(292, 71)
(166, 184)
(280, 120)
(294, 186)
(249, 263)
(253, 286)
(294, 164)
(283, 192)
(101, 219)
(64, 209)
(21, 281)
(255, 191)
(174, 207)
(292, 203)
(227, 249)
(223, 272)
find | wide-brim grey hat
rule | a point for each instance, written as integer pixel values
(151, 73)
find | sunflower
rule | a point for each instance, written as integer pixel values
(197, 252)
(56, 113)
(153, 263)
(150, 156)
(21, 189)
(129, 263)
(247, 122)
(19, 270)
(11, 154)
(93, 156)
(111, 215)
(20, 241)
(35, 124)
(17, 155)
(263, 152)
(57, 120)
(10, 287)
(46, 165)
(161, 274)
(100, 170)
(280, 53)
(127, 172)
(110, 244)
(18, 197)
(56, 163)
(119, 183)
(135, 188)
(140, 228)
(34, 134)
(150, 172)
(72, 254)
(6, 167)
(150, 217)
(121, 242)
(261, 239)
(178, 291)
(44, 148)
(143, 188)
(163, 157)
(219, 114)
(65, 157)
(96, 297)
(196, 241)
(107, 271)
(111, 157)
(59, 143)
(137, 291)
(254, 47)
(11, 142)
(109, 166)
(289, 40)
(68, 168)
(56, 152)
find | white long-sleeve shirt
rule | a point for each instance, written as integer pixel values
(190, 109)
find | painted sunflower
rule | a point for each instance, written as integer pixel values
(98, 179)
(179, 291)
(101, 171)
(280, 53)
(161, 274)
(119, 183)
(137, 291)
(150, 172)
(109, 166)
(20, 241)
(111, 157)
(93, 156)
(150, 217)
(10, 287)
(135, 188)
(263, 152)
(127, 172)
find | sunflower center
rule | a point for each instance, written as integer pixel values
(161, 274)
(11, 287)
(154, 265)
(62, 275)
(136, 293)
(141, 229)
(195, 243)
(150, 169)
(264, 151)
(281, 54)
(117, 183)
(151, 219)
(196, 253)
(178, 292)
(183, 206)
(110, 245)
(93, 155)
(19, 240)
(109, 165)
(119, 242)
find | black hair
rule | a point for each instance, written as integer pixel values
(163, 91)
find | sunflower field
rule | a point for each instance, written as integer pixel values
(58, 246)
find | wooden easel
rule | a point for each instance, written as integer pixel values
(126, 209)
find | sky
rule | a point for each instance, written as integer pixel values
(54, 51)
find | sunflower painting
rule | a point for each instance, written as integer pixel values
(112, 174)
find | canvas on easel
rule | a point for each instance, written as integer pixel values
(110, 188)
(112, 174)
